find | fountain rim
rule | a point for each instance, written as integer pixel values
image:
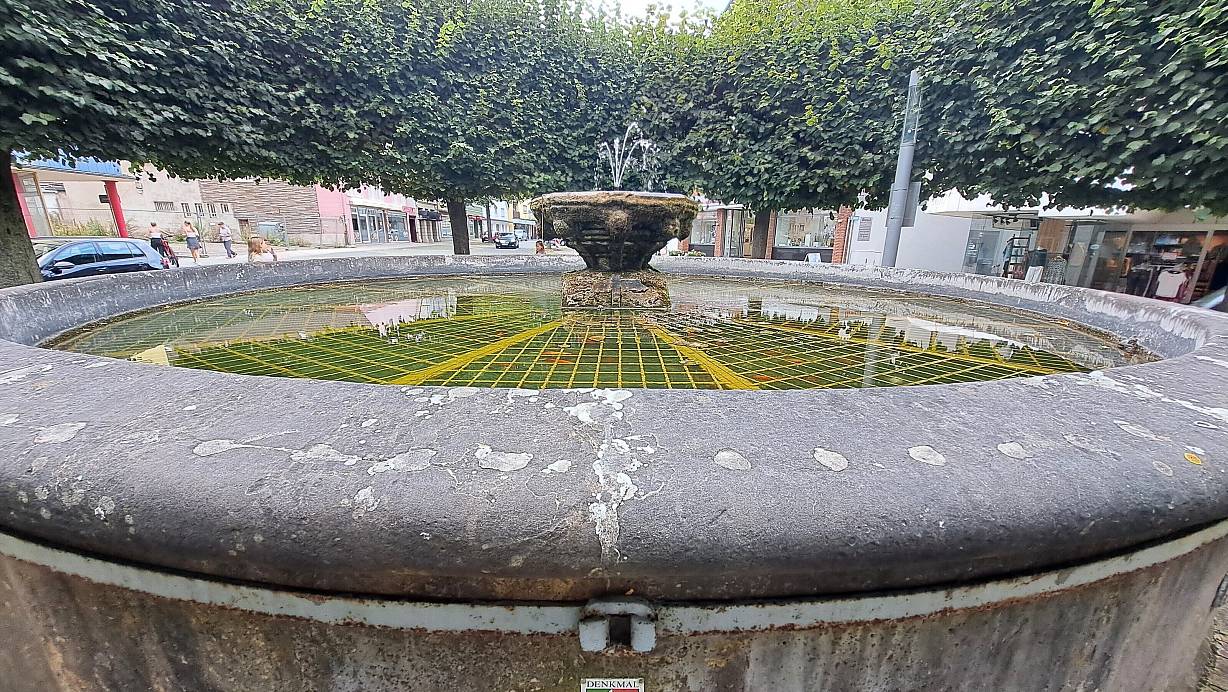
(1091, 468)
(628, 193)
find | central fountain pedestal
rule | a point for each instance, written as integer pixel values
(590, 289)
(616, 233)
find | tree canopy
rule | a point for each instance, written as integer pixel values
(1094, 102)
(777, 104)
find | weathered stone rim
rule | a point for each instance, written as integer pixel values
(1102, 468)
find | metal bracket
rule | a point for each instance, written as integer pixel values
(606, 623)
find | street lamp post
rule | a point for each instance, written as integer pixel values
(897, 207)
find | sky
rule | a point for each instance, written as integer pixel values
(639, 7)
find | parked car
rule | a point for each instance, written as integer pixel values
(68, 257)
(522, 234)
(506, 239)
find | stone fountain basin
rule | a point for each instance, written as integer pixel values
(615, 231)
(678, 495)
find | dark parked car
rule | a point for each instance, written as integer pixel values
(506, 239)
(71, 257)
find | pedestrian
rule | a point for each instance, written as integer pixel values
(155, 238)
(223, 234)
(540, 248)
(257, 247)
(193, 238)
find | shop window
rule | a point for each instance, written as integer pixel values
(804, 229)
(703, 228)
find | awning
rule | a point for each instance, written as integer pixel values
(50, 170)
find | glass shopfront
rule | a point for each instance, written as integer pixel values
(703, 232)
(398, 225)
(737, 239)
(802, 233)
(1177, 265)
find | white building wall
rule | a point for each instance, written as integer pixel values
(80, 203)
(937, 243)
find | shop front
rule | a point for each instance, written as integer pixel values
(725, 231)
(801, 234)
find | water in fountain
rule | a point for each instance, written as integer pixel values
(511, 331)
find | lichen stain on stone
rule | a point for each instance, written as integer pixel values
(1140, 431)
(19, 374)
(104, 508)
(1163, 468)
(209, 448)
(834, 461)
(927, 455)
(7, 419)
(731, 459)
(608, 406)
(1088, 445)
(324, 452)
(54, 434)
(412, 460)
(364, 502)
(616, 461)
(1014, 450)
(560, 466)
(489, 458)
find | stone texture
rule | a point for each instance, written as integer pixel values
(622, 290)
(622, 517)
(615, 231)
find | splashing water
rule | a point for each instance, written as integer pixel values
(632, 152)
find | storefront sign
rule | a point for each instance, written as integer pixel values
(612, 685)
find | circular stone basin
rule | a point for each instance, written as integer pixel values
(511, 332)
(210, 526)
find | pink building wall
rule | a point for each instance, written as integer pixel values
(332, 203)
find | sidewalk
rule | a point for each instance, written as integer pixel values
(217, 254)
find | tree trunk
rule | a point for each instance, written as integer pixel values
(17, 265)
(759, 234)
(460, 226)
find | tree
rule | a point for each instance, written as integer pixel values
(1094, 102)
(790, 104)
(189, 85)
(473, 100)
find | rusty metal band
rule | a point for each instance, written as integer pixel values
(676, 619)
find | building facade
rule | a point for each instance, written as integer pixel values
(1124, 251)
(726, 230)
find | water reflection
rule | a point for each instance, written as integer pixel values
(510, 331)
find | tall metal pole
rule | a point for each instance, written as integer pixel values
(896, 208)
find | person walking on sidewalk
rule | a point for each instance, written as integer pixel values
(155, 238)
(193, 239)
(223, 234)
(258, 247)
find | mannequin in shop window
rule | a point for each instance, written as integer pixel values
(1172, 283)
(1055, 270)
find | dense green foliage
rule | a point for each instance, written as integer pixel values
(777, 104)
(195, 87)
(1068, 96)
(793, 103)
